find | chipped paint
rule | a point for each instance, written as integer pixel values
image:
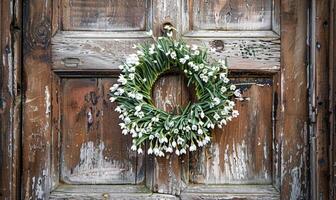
(95, 168)
(47, 101)
(233, 165)
(37, 188)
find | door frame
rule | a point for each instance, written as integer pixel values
(33, 45)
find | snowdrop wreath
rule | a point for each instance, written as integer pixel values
(164, 132)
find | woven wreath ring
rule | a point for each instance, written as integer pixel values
(191, 126)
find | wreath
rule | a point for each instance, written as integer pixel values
(191, 127)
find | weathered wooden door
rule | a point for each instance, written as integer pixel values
(72, 144)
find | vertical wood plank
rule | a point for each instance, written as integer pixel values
(292, 119)
(37, 103)
(10, 98)
(332, 98)
(322, 97)
(167, 175)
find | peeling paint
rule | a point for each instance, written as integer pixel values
(93, 167)
(47, 101)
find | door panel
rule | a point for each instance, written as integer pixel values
(231, 15)
(110, 15)
(93, 149)
(241, 152)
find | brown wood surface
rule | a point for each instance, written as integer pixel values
(110, 15)
(10, 98)
(93, 149)
(170, 93)
(241, 152)
(332, 98)
(231, 15)
(322, 98)
(292, 114)
(36, 155)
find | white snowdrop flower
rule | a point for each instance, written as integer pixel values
(185, 71)
(201, 123)
(170, 33)
(114, 87)
(216, 101)
(140, 135)
(223, 121)
(200, 132)
(237, 93)
(134, 46)
(161, 154)
(127, 120)
(150, 151)
(132, 59)
(207, 138)
(204, 71)
(122, 125)
(139, 151)
(202, 115)
(196, 68)
(174, 144)
(223, 89)
(226, 80)
(229, 118)
(232, 87)
(131, 76)
(235, 113)
(187, 128)
(150, 33)
(204, 78)
(120, 91)
(140, 53)
(155, 119)
(183, 151)
(196, 53)
(194, 127)
(176, 131)
(216, 116)
(138, 96)
(118, 109)
(193, 147)
(169, 149)
(156, 151)
(194, 47)
(134, 134)
(231, 103)
(133, 148)
(141, 115)
(200, 143)
(121, 67)
(173, 55)
(183, 60)
(112, 99)
(122, 79)
(177, 152)
(222, 76)
(151, 51)
(144, 80)
(124, 132)
(138, 108)
(180, 140)
(151, 137)
(131, 69)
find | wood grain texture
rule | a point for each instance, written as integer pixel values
(110, 15)
(322, 98)
(93, 149)
(332, 98)
(248, 192)
(101, 54)
(241, 152)
(292, 116)
(95, 192)
(169, 93)
(230, 15)
(36, 180)
(10, 98)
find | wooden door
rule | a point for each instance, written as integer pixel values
(72, 145)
